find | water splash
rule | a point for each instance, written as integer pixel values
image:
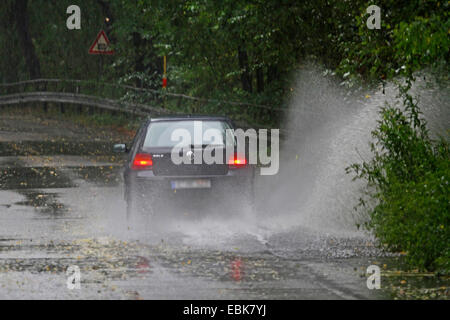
(329, 127)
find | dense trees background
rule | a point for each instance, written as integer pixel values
(243, 50)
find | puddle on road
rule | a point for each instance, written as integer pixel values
(100, 175)
(228, 266)
(47, 177)
(46, 203)
(98, 259)
(33, 178)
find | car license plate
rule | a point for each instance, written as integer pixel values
(191, 184)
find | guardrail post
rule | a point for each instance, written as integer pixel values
(45, 107)
(61, 105)
(90, 108)
(80, 107)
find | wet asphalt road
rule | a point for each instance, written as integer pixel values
(61, 205)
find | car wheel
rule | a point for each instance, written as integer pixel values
(240, 199)
(139, 211)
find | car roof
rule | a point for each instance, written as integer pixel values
(188, 117)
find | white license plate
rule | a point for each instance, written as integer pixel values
(191, 184)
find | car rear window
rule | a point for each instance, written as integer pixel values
(159, 134)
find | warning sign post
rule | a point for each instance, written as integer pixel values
(101, 44)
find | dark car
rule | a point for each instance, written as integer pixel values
(155, 185)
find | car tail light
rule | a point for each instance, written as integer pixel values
(237, 162)
(142, 161)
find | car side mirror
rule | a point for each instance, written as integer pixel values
(120, 148)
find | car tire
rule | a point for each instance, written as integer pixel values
(136, 215)
(241, 200)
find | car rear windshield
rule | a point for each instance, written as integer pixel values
(161, 134)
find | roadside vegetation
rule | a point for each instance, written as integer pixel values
(407, 195)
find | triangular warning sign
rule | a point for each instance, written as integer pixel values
(101, 44)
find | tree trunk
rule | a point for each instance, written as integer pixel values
(23, 28)
(138, 58)
(246, 77)
(272, 74)
(260, 79)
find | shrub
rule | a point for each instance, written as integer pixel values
(407, 195)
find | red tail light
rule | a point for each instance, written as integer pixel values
(237, 162)
(142, 161)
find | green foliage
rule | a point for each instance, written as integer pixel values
(61, 53)
(234, 50)
(413, 35)
(422, 42)
(408, 187)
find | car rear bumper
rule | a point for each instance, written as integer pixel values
(145, 185)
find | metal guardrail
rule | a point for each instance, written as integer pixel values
(161, 93)
(126, 98)
(82, 99)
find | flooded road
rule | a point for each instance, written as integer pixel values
(62, 205)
